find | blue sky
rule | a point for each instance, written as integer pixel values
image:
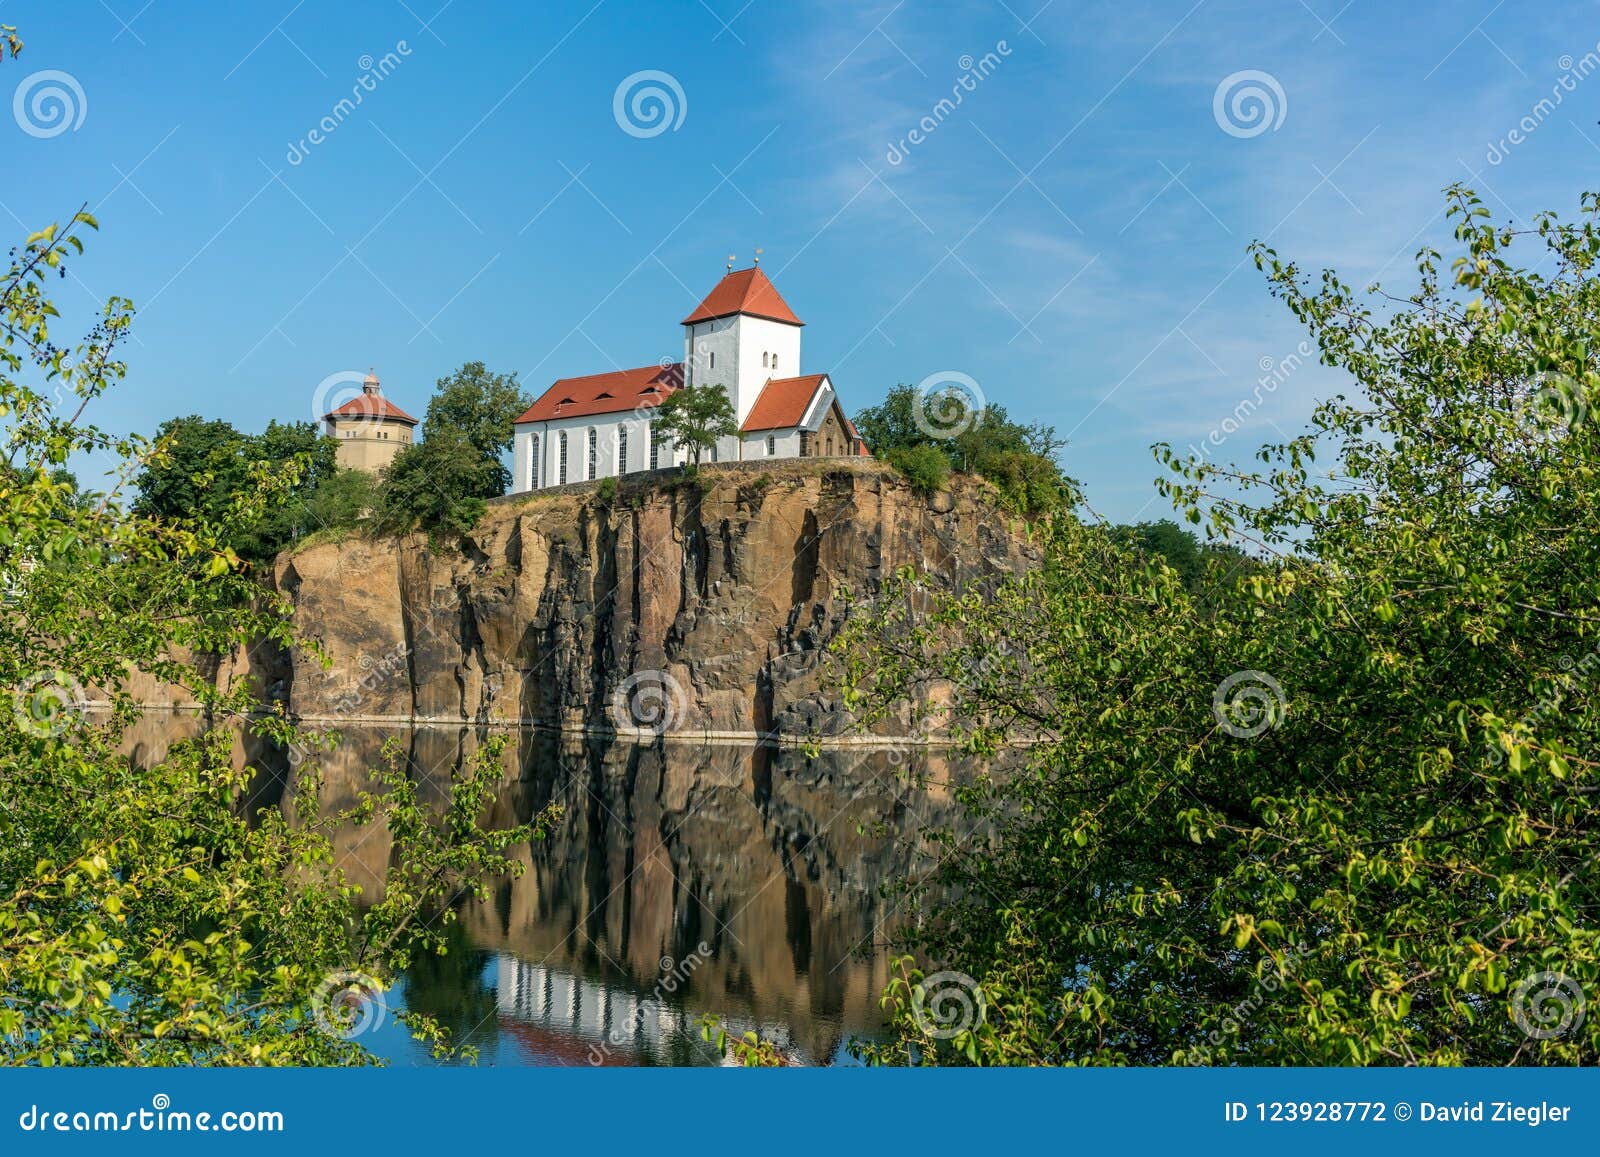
(1071, 236)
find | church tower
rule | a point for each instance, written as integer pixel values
(741, 336)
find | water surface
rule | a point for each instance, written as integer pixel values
(682, 880)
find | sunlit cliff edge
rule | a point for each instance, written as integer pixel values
(704, 604)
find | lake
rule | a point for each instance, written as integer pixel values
(682, 880)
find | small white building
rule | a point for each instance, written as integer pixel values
(742, 337)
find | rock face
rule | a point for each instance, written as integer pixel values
(703, 607)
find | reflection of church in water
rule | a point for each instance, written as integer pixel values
(767, 857)
(560, 1018)
(761, 865)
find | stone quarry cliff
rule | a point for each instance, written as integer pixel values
(704, 604)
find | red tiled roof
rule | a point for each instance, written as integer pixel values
(552, 1045)
(783, 402)
(744, 291)
(606, 393)
(371, 407)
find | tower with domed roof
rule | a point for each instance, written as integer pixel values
(370, 428)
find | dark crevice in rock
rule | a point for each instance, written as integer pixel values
(807, 552)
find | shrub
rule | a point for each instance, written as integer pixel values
(437, 484)
(342, 501)
(1020, 460)
(925, 467)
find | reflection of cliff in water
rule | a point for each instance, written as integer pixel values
(769, 858)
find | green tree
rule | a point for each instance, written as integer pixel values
(481, 407)
(694, 418)
(343, 501)
(150, 915)
(315, 454)
(197, 470)
(1193, 560)
(202, 467)
(438, 485)
(1347, 814)
(1020, 460)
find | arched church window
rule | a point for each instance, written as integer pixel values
(594, 451)
(561, 462)
(533, 462)
(622, 448)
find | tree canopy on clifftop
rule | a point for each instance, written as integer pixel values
(926, 437)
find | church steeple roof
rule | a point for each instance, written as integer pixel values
(744, 291)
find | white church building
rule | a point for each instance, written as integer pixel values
(742, 337)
